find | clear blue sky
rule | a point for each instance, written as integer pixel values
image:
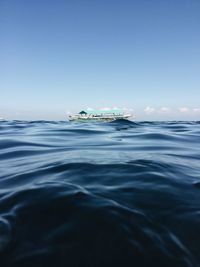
(65, 55)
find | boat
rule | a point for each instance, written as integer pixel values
(100, 115)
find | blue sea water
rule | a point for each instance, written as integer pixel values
(99, 194)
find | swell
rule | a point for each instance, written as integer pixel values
(103, 194)
(69, 222)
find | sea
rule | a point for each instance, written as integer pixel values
(99, 194)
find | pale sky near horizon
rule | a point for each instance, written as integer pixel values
(62, 56)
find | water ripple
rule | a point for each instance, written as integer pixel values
(99, 194)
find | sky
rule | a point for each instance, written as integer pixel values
(59, 57)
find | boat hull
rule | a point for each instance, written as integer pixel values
(100, 118)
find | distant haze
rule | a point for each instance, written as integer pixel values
(59, 57)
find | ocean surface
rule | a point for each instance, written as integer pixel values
(99, 194)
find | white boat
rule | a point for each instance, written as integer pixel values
(99, 115)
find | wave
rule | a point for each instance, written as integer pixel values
(99, 194)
